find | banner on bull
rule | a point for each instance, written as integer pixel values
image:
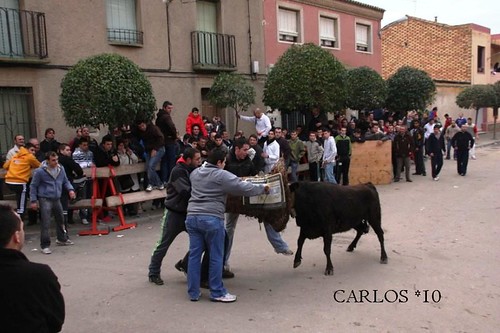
(275, 198)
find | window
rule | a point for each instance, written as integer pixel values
(288, 25)
(363, 37)
(328, 35)
(16, 106)
(122, 22)
(480, 59)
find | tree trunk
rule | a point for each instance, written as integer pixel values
(237, 121)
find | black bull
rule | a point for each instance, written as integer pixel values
(323, 209)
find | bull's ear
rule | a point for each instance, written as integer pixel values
(294, 186)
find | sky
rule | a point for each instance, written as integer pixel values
(452, 12)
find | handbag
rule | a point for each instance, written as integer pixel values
(126, 182)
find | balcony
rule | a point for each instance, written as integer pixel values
(213, 51)
(125, 37)
(23, 36)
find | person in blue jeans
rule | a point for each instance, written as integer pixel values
(210, 185)
(154, 145)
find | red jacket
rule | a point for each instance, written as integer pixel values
(195, 120)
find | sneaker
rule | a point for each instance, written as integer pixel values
(161, 187)
(149, 188)
(196, 299)
(63, 243)
(46, 251)
(85, 221)
(286, 252)
(227, 298)
(227, 274)
(180, 267)
(156, 279)
(436, 178)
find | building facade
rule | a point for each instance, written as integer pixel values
(180, 46)
(455, 57)
(349, 30)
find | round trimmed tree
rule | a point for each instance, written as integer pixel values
(366, 89)
(409, 89)
(106, 89)
(303, 77)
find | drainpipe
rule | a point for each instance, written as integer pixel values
(252, 74)
(167, 14)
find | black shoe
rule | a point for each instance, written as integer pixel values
(409, 180)
(424, 174)
(204, 285)
(416, 173)
(396, 180)
(156, 280)
(180, 267)
(227, 274)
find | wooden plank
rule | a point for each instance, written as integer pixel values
(371, 162)
(11, 203)
(86, 203)
(140, 196)
(103, 172)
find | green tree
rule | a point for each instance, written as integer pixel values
(366, 89)
(476, 97)
(409, 89)
(106, 89)
(234, 91)
(496, 88)
(303, 77)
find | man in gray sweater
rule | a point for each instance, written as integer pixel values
(210, 185)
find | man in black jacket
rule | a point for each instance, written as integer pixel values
(462, 141)
(435, 148)
(154, 144)
(31, 295)
(167, 127)
(178, 194)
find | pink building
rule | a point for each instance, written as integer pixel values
(347, 29)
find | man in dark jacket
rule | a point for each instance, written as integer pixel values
(402, 147)
(154, 144)
(435, 148)
(167, 128)
(105, 154)
(75, 175)
(31, 295)
(462, 141)
(419, 143)
(178, 194)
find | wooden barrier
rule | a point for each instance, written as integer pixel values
(370, 162)
(11, 203)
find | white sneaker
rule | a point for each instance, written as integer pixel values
(161, 187)
(46, 251)
(149, 188)
(85, 221)
(227, 298)
(436, 178)
(67, 242)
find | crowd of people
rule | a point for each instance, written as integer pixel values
(203, 166)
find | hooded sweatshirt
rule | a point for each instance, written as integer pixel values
(19, 167)
(48, 183)
(210, 186)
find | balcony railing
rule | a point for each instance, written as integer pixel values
(125, 36)
(23, 34)
(213, 51)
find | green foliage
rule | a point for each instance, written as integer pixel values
(106, 89)
(496, 89)
(366, 89)
(409, 89)
(232, 90)
(305, 76)
(477, 96)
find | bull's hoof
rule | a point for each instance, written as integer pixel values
(383, 260)
(350, 248)
(296, 264)
(329, 271)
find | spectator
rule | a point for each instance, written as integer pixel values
(297, 151)
(169, 131)
(195, 118)
(31, 295)
(18, 143)
(75, 141)
(344, 151)
(314, 155)
(49, 143)
(128, 157)
(329, 155)
(403, 147)
(154, 145)
(262, 124)
(256, 154)
(271, 152)
(318, 120)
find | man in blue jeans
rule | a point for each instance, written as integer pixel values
(210, 185)
(155, 149)
(169, 131)
(45, 194)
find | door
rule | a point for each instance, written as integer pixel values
(11, 42)
(207, 25)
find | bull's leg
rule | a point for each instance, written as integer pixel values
(380, 234)
(352, 246)
(298, 255)
(327, 248)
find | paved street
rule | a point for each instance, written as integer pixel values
(441, 238)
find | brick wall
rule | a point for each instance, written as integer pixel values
(443, 51)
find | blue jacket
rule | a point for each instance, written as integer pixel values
(44, 185)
